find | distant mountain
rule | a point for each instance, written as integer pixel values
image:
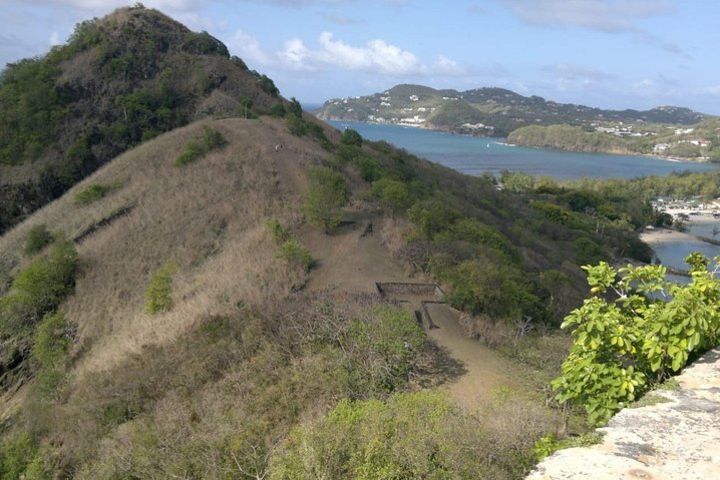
(484, 111)
(119, 81)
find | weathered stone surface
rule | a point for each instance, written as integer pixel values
(674, 440)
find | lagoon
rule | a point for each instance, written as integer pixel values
(477, 155)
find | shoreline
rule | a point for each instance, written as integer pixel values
(452, 132)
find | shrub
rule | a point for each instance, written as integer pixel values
(475, 232)
(158, 295)
(16, 454)
(297, 126)
(411, 435)
(197, 148)
(294, 108)
(370, 169)
(38, 237)
(39, 288)
(394, 195)
(277, 110)
(351, 137)
(487, 286)
(268, 86)
(277, 231)
(92, 193)
(52, 341)
(293, 252)
(431, 217)
(327, 194)
(644, 333)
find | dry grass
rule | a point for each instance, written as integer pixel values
(208, 218)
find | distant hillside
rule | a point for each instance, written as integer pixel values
(119, 80)
(484, 111)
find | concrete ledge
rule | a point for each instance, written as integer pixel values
(677, 438)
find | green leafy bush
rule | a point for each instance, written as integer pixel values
(52, 341)
(158, 295)
(636, 330)
(393, 194)
(197, 148)
(293, 252)
(39, 288)
(370, 168)
(38, 237)
(93, 192)
(411, 435)
(16, 455)
(351, 137)
(294, 108)
(327, 195)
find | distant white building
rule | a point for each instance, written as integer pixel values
(684, 131)
(414, 98)
(661, 147)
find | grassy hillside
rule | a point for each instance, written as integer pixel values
(204, 306)
(118, 81)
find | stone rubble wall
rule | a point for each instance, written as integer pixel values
(677, 438)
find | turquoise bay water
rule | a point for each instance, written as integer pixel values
(477, 155)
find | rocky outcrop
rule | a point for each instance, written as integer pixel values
(675, 437)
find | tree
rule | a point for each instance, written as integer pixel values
(324, 200)
(636, 330)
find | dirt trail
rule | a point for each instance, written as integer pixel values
(353, 263)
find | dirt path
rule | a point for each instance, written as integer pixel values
(353, 263)
(487, 370)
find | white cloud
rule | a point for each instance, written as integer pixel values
(55, 39)
(375, 56)
(603, 15)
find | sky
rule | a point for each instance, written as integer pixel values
(605, 53)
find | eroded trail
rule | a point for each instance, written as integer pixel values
(353, 263)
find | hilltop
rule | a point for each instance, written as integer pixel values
(118, 81)
(238, 296)
(485, 111)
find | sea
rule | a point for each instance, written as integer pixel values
(478, 155)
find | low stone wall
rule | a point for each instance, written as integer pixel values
(429, 290)
(675, 438)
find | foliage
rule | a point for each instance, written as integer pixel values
(158, 295)
(393, 195)
(518, 182)
(327, 195)
(16, 455)
(293, 252)
(550, 444)
(386, 343)
(39, 288)
(93, 192)
(370, 168)
(38, 237)
(635, 331)
(411, 435)
(197, 148)
(488, 286)
(351, 137)
(277, 231)
(294, 108)
(267, 85)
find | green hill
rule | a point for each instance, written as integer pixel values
(485, 111)
(118, 81)
(208, 303)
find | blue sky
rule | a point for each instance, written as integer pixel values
(607, 53)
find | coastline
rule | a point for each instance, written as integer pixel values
(452, 132)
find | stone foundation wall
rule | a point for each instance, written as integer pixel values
(675, 437)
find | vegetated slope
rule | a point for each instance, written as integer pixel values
(155, 321)
(118, 81)
(484, 111)
(699, 142)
